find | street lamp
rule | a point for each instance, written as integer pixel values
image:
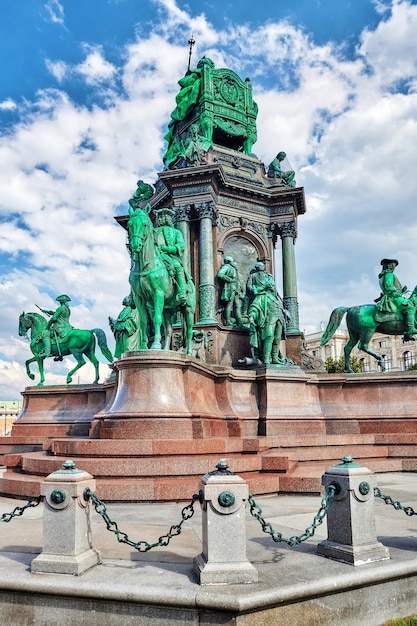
(3, 407)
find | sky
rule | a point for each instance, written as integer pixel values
(86, 94)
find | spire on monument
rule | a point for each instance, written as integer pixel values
(191, 43)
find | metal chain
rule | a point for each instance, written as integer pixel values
(19, 510)
(295, 540)
(408, 510)
(142, 546)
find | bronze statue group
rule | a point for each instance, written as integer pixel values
(161, 289)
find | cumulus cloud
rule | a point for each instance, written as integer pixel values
(8, 105)
(95, 69)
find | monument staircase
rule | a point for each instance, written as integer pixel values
(310, 422)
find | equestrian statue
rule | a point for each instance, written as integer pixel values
(393, 314)
(160, 285)
(57, 338)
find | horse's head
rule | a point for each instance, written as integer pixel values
(24, 325)
(140, 228)
(33, 321)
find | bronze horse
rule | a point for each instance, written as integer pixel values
(362, 324)
(154, 290)
(79, 343)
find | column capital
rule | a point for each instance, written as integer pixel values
(182, 213)
(207, 209)
(287, 229)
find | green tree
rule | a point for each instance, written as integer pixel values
(337, 366)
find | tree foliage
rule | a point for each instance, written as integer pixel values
(337, 366)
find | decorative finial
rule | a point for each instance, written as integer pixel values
(191, 42)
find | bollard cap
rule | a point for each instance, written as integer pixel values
(346, 468)
(222, 476)
(69, 473)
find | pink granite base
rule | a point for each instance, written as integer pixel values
(171, 419)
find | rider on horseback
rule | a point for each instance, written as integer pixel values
(392, 298)
(58, 326)
(171, 243)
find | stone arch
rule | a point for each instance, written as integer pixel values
(245, 247)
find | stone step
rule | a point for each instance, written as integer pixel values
(298, 441)
(396, 438)
(402, 451)
(148, 447)
(326, 453)
(306, 477)
(19, 485)
(136, 489)
(42, 464)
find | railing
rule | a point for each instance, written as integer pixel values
(347, 503)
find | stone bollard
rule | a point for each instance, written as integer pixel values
(67, 545)
(351, 532)
(223, 560)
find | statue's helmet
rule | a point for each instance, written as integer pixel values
(63, 298)
(228, 259)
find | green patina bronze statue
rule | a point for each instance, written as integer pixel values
(160, 286)
(57, 338)
(58, 325)
(213, 106)
(171, 245)
(267, 317)
(232, 293)
(393, 299)
(125, 327)
(275, 171)
(143, 193)
(394, 314)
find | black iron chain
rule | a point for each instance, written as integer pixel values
(295, 540)
(408, 510)
(142, 546)
(19, 510)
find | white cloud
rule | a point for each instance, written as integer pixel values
(8, 105)
(95, 69)
(55, 11)
(58, 69)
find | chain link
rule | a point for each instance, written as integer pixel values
(408, 510)
(142, 546)
(19, 510)
(295, 540)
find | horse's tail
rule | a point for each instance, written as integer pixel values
(333, 324)
(102, 343)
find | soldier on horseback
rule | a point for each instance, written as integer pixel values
(58, 326)
(171, 244)
(393, 300)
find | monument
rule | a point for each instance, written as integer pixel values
(208, 353)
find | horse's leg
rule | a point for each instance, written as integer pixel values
(80, 362)
(158, 307)
(40, 361)
(188, 322)
(168, 329)
(142, 339)
(353, 340)
(28, 362)
(90, 354)
(363, 345)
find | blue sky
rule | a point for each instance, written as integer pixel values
(86, 93)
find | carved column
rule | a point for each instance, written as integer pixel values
(182, 222)
(288, 233)
(208, 218)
